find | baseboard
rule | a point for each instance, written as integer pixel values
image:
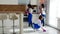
(52, 27)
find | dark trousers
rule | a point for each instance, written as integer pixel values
(29, 19)
(42, 21)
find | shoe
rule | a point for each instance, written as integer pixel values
(44, 30)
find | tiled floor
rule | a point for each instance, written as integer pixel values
(49, 31)
(29, 30)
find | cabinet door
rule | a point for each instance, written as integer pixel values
(23, 1)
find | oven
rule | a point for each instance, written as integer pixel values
(25, 18)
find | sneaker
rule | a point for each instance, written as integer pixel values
(44, 30)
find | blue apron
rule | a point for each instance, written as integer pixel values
(35, 26)
(30, 18)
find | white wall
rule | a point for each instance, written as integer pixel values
(23, 1)
(34, 2)
(58, 9)
(52, 13)
(8, 1)
(58, 14)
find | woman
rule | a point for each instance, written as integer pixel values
(29, 11)
(43, 13)
(38, 25)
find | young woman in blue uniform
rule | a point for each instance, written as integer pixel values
(29, 11)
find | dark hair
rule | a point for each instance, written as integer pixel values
(42, 5)
(29, 5)
(40, 17)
